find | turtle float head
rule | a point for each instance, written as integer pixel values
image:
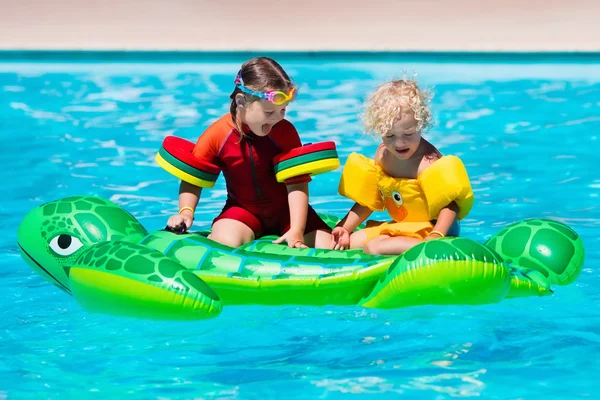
(52, 236)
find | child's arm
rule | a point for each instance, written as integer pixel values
(444, 221)
(189, 195)
(358, 213)
(356, 216)
(298, 203)
(340, 236)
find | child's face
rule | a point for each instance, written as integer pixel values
(262, 115)
(404, 137)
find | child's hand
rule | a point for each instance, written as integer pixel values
(340, 238)
(293, 238)
(178, 220)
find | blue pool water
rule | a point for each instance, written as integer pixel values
(527, 132)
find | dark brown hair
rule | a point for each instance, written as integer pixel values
(260, 74)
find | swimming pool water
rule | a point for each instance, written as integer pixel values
(527, 132)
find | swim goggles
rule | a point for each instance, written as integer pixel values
(276, 97)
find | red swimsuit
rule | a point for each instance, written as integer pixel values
(254, 197)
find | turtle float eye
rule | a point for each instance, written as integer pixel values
(397, 198)
(65, 245)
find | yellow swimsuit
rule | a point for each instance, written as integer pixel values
(412, 203)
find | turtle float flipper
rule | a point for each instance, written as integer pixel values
(128, 279)
(525, 283)
(443, 271)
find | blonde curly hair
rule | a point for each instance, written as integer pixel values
(390, 100)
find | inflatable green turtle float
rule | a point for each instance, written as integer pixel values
(98, 252)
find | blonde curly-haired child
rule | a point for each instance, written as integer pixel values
(423, 191)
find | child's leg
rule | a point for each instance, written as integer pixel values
(235, 226)
(384, 244)
(231, 232)
(319, 239)
(358, 239)
(316, 233)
